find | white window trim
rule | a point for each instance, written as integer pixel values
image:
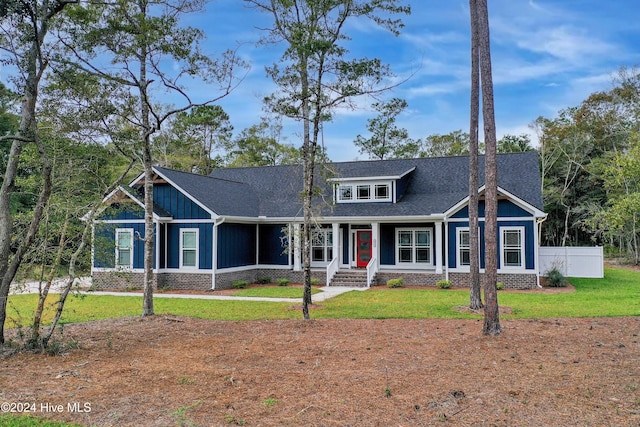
(523, 260)
(326, 247)
(366, 187)
(375, 192)
(339, 193)
(414, 264)
(459, 266)
(372, 192)
(190, 230)
(459, 263)
(117, 264)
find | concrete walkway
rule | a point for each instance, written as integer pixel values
(327, 292)
(32, 288)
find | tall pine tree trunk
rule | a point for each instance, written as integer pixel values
(308, 166)
(147, 161)
(491, 311)
(475, 299)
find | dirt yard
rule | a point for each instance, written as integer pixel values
(168, 371)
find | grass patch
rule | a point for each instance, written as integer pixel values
(618, 294)
(274, 292)
(97, 307)
(398, 303)
(28, 421)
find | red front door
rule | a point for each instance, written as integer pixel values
(363, 249)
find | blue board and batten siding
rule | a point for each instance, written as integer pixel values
(236, 245)
(174, 201)
(105, 243)
(272, 244)
(506, 210)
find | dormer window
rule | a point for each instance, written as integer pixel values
(359, 188)
(345, 193)
(382, 191)
(364, 192)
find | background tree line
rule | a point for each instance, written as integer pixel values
(589, 161)
(81, 114)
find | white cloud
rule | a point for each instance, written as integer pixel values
(565, 43)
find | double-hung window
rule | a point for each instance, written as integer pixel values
(124, 247)
(414, 246)
(512, 243)
(464, 247)
(189, 248)
(322, 245)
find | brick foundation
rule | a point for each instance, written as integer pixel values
(196, 281)
(409, 278)
(202, 281)
(510, 281)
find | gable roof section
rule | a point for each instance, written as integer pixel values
(221, 197)
(435, 185)
(159, 214)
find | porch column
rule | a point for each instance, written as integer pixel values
(335, 230)
(438, 242)
(297, 264)
(157, 251)
(375, 236)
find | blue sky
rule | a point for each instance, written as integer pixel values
(547, 55)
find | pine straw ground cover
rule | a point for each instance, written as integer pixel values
(177, 371)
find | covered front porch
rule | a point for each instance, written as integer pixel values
(355, 253)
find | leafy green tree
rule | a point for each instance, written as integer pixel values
(195, 140)
(80, 172)
(24, 37)
(8, 123)
(575, 148)
(121, 45)
(514, 144)
(314, 77)
(259, 145)
(455, 143)
(619, 219)
(387, 140)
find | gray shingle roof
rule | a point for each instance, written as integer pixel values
(434, 186)
(222, 196)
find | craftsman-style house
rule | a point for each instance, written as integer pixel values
(375, 220)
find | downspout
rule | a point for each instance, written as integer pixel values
(214, 251)
(446, 248)
(539, 222)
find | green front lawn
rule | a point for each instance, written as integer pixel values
(618, 294)
(274, 292)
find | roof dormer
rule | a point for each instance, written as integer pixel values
(369, 189)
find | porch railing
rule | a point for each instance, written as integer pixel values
(332, 269)
(372, 269)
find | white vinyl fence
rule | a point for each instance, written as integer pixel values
(573, 261)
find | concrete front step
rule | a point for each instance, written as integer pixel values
(350, 278)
